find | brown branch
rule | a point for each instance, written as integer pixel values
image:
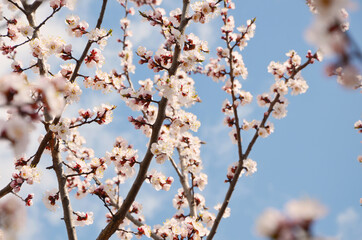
(128, 215)
(139, 224)
(119, 216)
(43, 145)
(112, 226)
(17, 5)
(64, 195)
(270, 109)
(89, 44)
(126, 73)
(7, 189)
(244, 156)
(240, 150)
(35, 5)
(186, 186)
(174, 165)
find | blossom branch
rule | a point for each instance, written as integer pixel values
(270, 109)
(124, 45)
(64, 195)
(244, 156)
(112, 226)
(128, 215)
(240, 153)
(174, 165)
(139, 224)
(89, 43)
(186, 186)
(43, 144)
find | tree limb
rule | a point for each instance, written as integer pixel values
(128, 215)
(89, 44)
(244, 156)
(7, 189)
(186, 186)
(64, 195)
(112, 226)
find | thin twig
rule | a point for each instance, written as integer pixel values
(174, 165)
(186, 186)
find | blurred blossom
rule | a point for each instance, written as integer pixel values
(12, 217)
(305, 209)
(293, 224)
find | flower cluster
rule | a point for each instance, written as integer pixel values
(287, 76)
(233, 59)
(193, 49)
(124, 157)
(76, 27)
(105, 81)
(101, 115)
(24, 101)
(189, 151)
(50, 199)
(82, 218)
(328, 33)
(17, 28)
(25, 174)
(72, 92)
(99, 36)
(203, 11)
(162, 150)
(144, 2)
(249, 168)
(42, 48)
(192, 46)
(159, 181)
(181, 228)
(179, 89)
(161, 60)
(62, 3)
(94, 58)
(140, 99)
(348, 76)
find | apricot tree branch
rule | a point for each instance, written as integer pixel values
(186, 186)
(244, 156)
(89, 43)
(43, 144)
(64, 195)
(128, 215)
(112, 226)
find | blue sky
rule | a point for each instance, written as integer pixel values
(313, 151)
